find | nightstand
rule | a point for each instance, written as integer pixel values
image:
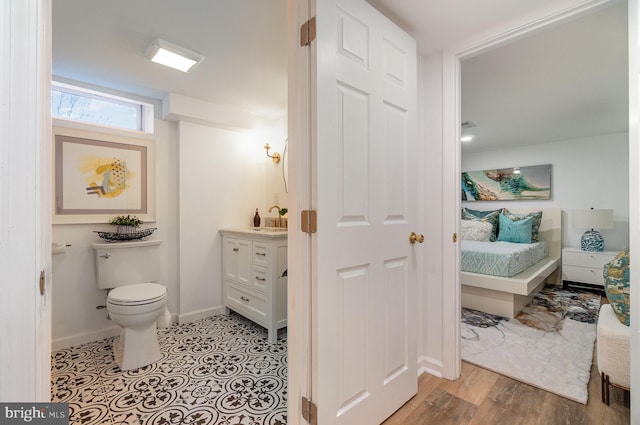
(583, 269)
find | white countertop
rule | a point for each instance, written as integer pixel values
(272, 232)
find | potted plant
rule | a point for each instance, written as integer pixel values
(126, 224)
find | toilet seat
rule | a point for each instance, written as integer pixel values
(137, 294)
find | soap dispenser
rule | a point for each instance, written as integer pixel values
(256, 219)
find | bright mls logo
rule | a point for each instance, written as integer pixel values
(34, 413)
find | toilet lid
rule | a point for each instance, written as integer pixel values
(138, 293)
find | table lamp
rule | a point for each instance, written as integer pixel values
(592, 219)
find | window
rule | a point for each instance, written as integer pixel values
(79, 104)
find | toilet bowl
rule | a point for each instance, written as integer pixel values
(136, 309)
(135, 301)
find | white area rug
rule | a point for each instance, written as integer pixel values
(549, 345)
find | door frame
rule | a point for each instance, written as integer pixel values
(25, 197)
(634, 194)
(301, 372)
(451, 65)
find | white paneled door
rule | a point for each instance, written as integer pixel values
(365, 195)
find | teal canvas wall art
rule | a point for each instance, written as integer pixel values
(517, 183)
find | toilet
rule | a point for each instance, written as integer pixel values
(135, 302)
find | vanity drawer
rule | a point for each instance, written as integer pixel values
(261, 254)
(261, 279)
(249, 303)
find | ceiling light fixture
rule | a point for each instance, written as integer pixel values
(466, 138)
(172, 55)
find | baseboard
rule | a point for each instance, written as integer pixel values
(200, 314)
(86, 337)
(83, 338)
(429, 365)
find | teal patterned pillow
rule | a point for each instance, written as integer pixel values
(616, 285)
(490, 216)
(518, 231)
(535, 227)
(480, 213)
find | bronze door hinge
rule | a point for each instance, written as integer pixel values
(309, 221)
(309, 411)
(308, 32)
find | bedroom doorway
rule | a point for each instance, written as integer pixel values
(507, 91)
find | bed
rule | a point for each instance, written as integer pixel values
(507, 296)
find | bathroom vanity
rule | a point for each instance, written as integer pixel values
(253, 264)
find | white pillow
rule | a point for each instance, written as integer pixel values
(472, 230)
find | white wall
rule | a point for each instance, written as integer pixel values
(221, 184)
(585, 173)
(206, 178)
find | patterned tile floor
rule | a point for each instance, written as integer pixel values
(220, 370)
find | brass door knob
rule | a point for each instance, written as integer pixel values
(413, 238)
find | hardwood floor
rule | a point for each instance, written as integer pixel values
(482, 397)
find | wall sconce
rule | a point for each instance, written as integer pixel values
(275, 157)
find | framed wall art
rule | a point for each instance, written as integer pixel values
(516, 183)
(99, 175)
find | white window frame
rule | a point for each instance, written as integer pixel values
(145, 110)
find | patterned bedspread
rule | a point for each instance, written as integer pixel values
(505, 259)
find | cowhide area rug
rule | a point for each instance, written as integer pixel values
(548, 345)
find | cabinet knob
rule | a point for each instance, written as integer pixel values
(262, 279)
(243, 298)
(261, 254)
(235, 250)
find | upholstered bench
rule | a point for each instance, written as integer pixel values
(612, 351)
(613, 332)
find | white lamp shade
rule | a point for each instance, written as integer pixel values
(593, 219)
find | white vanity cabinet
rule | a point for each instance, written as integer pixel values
(253, 263)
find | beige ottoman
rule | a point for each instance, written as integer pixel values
(612, 347)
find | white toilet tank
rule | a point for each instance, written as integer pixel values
(125, 263)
